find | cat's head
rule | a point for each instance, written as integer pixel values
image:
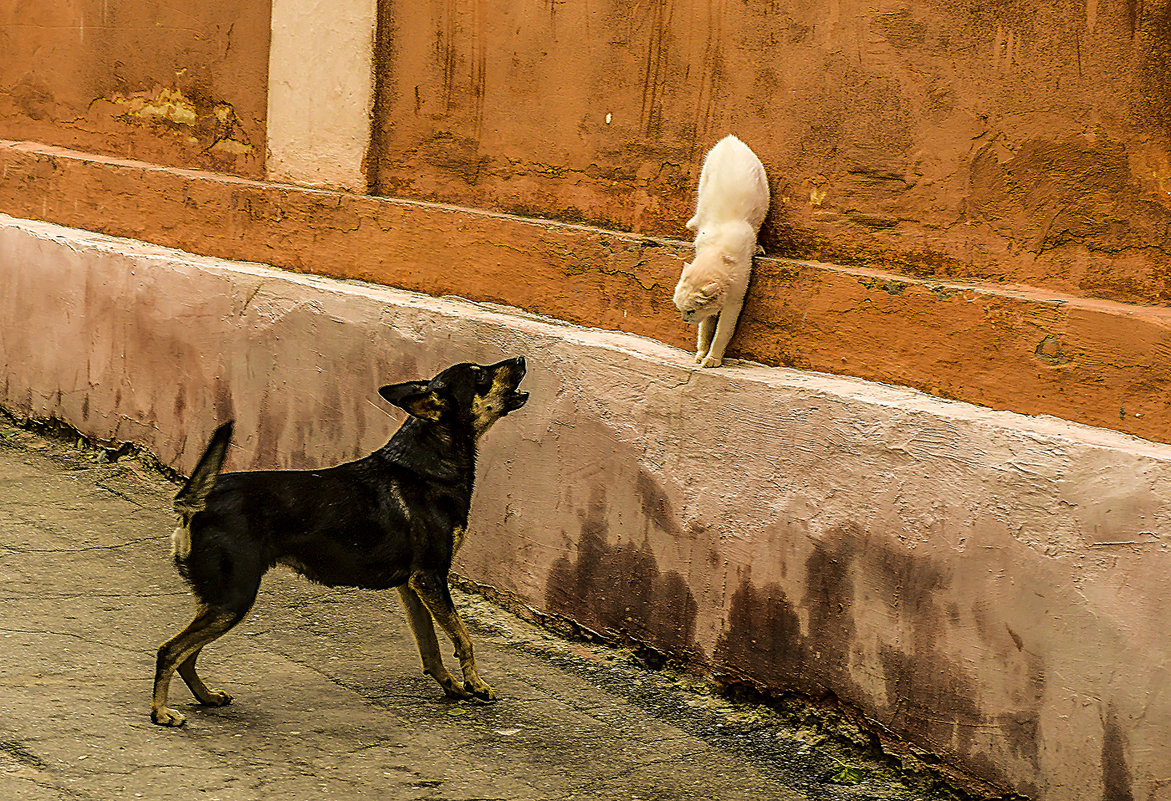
(698, 297)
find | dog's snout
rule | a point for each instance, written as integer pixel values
(515, 368)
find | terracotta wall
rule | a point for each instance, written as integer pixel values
(183, 84)
(1092, 361)
(1014, 140)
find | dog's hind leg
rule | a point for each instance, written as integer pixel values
(433, 591)
(182, 649)
(198, 688)
(424, 631)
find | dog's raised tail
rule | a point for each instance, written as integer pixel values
(193, 497)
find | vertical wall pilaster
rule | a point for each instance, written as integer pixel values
(320, 91)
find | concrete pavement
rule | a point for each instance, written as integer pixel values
(330, 701)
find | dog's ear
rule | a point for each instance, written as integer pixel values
(709, 290)
(414, 398)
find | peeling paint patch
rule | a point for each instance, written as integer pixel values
(1049, 351)
(210, 126)
(889, 286)
(165, 104)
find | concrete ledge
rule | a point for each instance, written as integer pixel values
(1016, 348)
(988, 585)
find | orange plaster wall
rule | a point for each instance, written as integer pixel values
(183, 84)
(1097, 362)
(1021, 141)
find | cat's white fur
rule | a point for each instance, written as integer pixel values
(731, 204)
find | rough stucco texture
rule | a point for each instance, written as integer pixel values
(989, 585)
(1024, 140)
(182, 84)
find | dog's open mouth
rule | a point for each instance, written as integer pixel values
(514, 400)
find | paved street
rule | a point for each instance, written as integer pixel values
(330, 702)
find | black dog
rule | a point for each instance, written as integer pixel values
(393, 519)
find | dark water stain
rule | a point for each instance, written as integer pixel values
(359, 435)
(931, 700)
(180, 402)
(618, 588)
(935, 698)
(330, 419)
(655, 504)
(1154, 65)
(268, 430)
(222, 401)
(1116, 779)
(764, 640)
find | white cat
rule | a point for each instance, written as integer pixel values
(731, 204)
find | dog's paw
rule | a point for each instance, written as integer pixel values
(481, 690)
(216, 698)
(452, 688)
(710, 361)
(167, 717)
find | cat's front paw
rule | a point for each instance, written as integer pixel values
(710, 361)
(700, 355)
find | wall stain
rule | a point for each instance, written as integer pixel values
(655, 504)
(929, 698)
(1154, 65)
(222, 401)
(1116, 778)
(1076, 191)
(1049, 351)
(618, 589)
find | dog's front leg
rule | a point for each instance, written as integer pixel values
(433, 591)
(420, 621)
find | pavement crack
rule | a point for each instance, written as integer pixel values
(20, 752)
(83, 549)
(68, 596)
(90, 640)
